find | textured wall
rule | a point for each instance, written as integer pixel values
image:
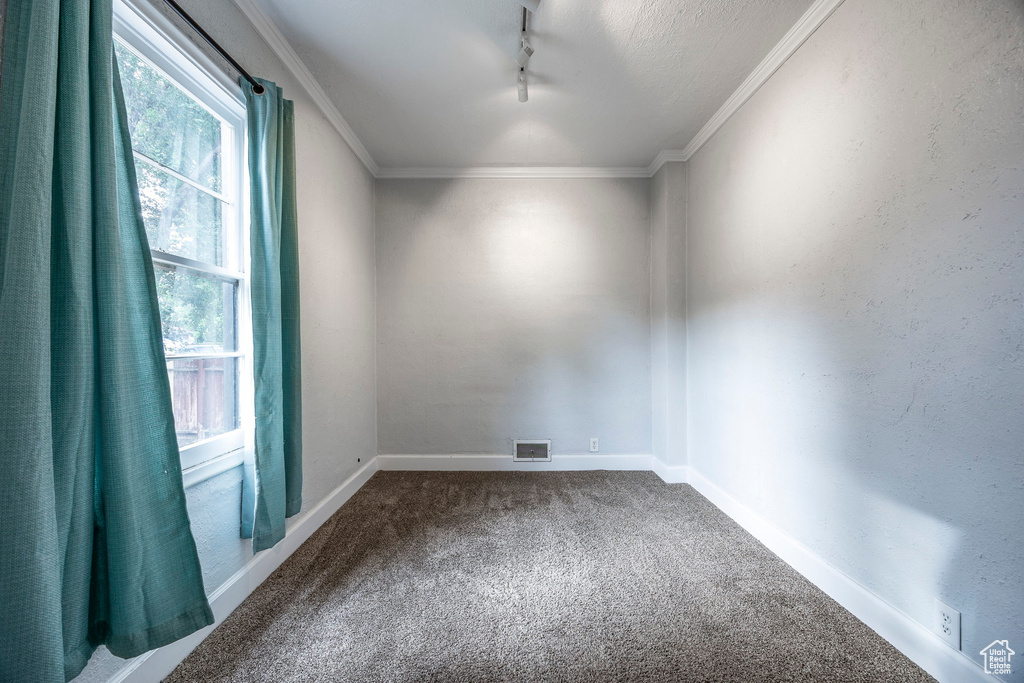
(513, 309)
(336, 244)
(856, 255)
(668, 314)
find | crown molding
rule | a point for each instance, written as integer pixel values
(814, 17)
(281, 47)
(514, 172)
(665, 156)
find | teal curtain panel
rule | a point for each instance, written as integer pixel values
(95, 542)
(273, 485)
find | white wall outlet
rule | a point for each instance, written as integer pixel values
(594, 447)
(947, 624)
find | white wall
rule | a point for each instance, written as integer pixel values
(856, 279)
(668, 314)
(336, 262)
(513, 309)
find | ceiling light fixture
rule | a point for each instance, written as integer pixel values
(525, 49)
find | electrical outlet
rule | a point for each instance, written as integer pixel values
(594, 445)
(947, 624)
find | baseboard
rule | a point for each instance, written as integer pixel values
(906, 635)
(156, 664)
(674, 474)
(502, 463)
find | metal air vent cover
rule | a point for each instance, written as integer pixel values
(532, 450)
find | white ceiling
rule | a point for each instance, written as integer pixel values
(431, 83)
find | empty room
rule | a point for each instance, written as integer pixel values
(512, 340)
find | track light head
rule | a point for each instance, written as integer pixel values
(531, 5)
(523, 95)
(525, 52)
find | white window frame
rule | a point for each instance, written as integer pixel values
(154, 37)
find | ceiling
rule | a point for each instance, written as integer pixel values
(432, 83)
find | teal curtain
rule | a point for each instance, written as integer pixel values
(95, 543)
(273, 484)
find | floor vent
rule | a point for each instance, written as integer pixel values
(532, 450)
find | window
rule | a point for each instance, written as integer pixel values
(187, 125)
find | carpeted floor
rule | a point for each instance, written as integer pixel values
(552, 576)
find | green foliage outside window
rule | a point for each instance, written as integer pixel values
(185, 219)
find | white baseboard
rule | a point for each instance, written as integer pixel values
(906, 635)
(670, 474)
(495, 463)
(156, 664)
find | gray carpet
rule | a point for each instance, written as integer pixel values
(504, 576)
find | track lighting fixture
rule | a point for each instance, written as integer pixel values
(525, 49)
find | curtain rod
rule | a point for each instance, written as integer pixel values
(256, 87)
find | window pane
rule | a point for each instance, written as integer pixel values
(203, 392)
(167, 125)
(180, 219)
(197, 312)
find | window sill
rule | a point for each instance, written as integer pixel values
(211, 468)
(210, 449)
